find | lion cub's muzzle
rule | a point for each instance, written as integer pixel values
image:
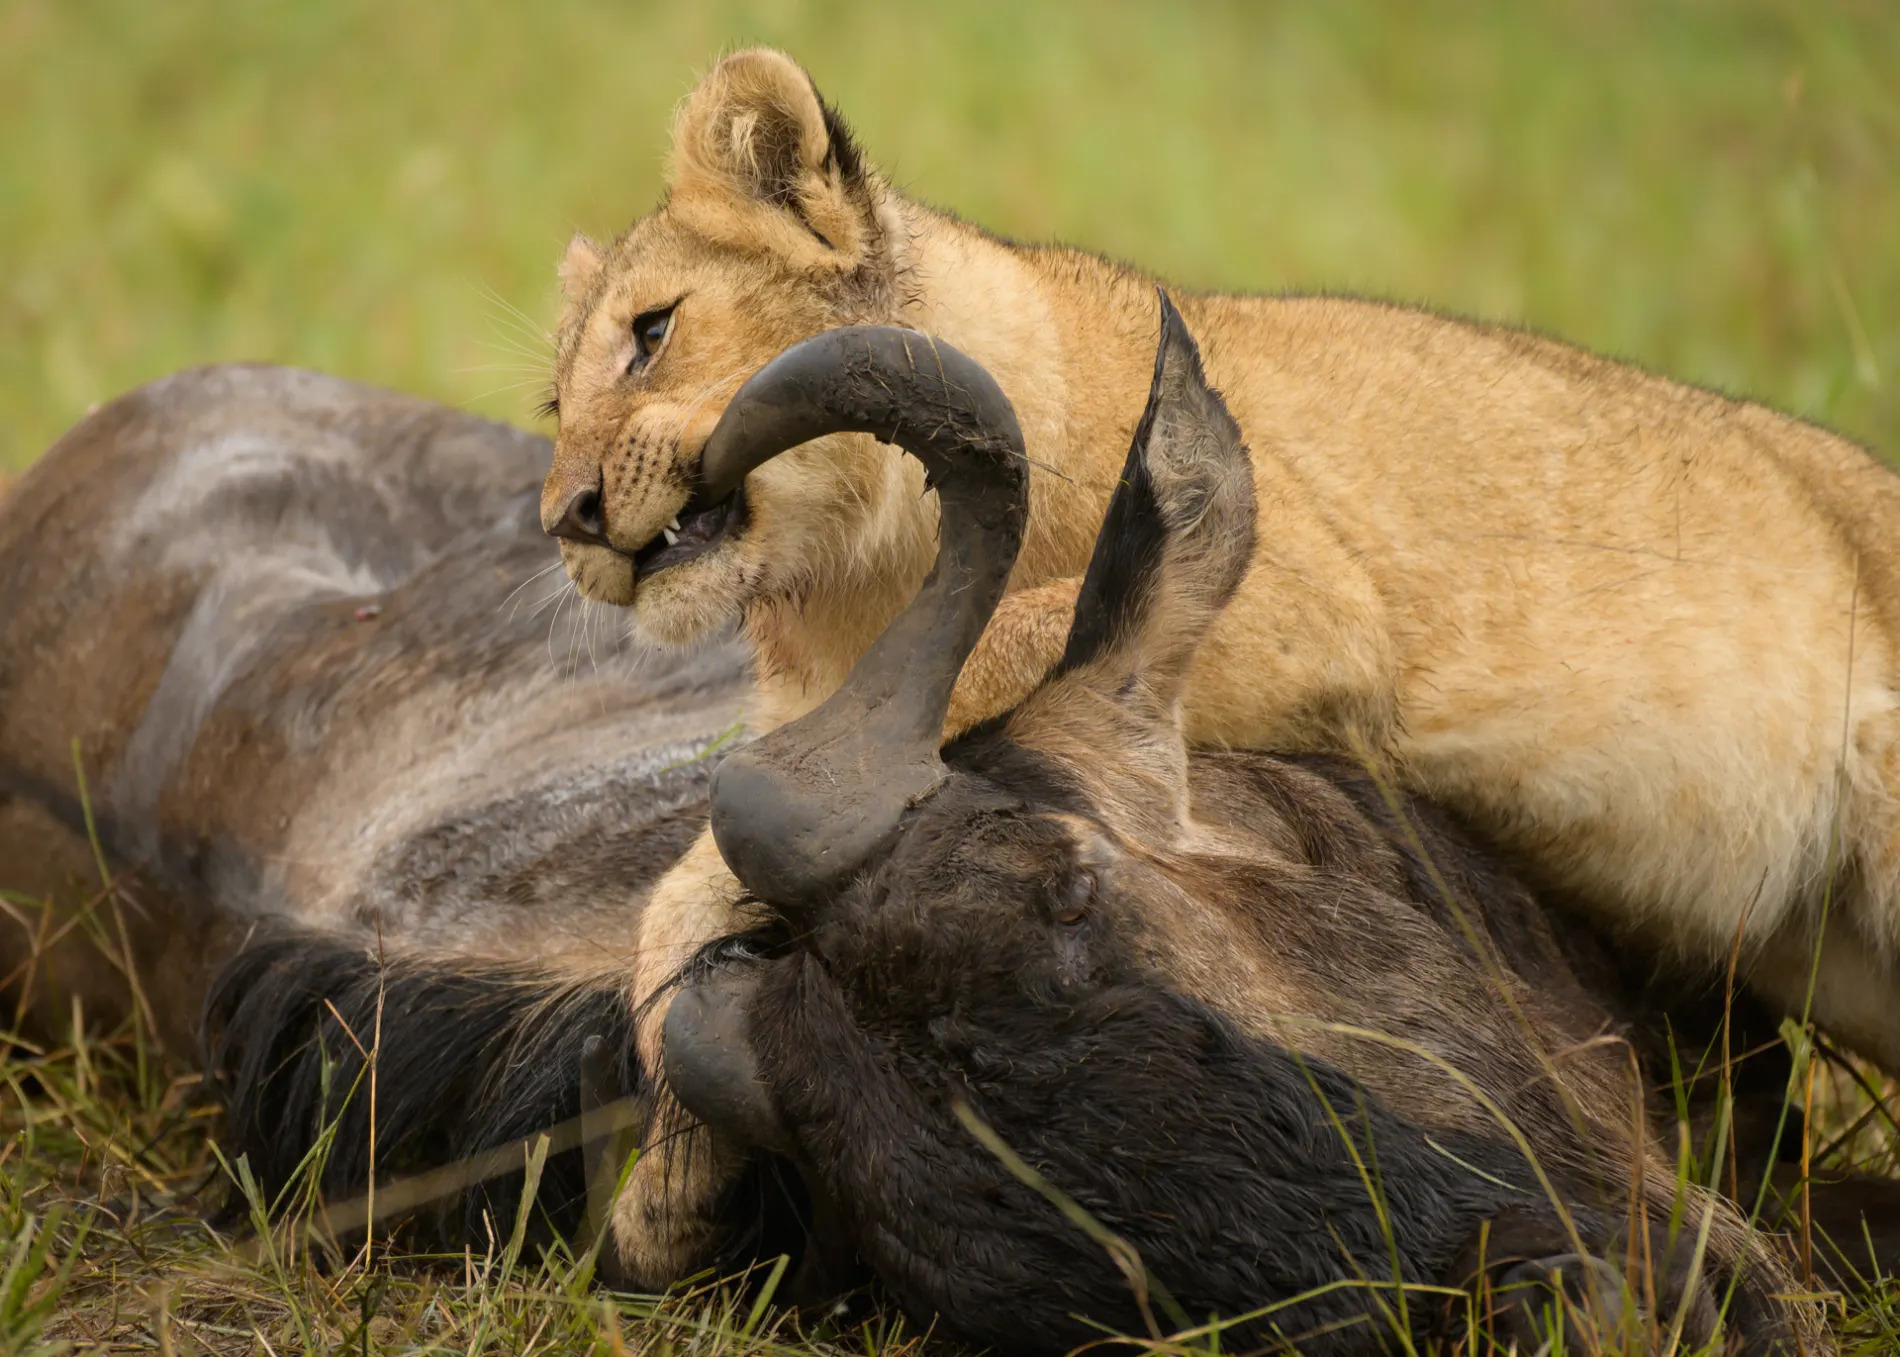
(697, 529)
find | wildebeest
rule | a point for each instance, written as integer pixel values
(1277, 1030)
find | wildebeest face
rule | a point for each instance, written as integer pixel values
(1001, 960)
(1018, 955)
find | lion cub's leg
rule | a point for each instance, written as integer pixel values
(1023, 641)
(664, 1222)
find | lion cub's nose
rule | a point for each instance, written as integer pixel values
(580, 520)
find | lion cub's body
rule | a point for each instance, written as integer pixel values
(1641, 633)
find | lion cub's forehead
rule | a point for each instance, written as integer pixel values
(645, 269)
(733, 302)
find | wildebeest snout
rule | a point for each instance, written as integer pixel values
(710, 1065)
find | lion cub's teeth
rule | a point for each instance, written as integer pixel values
(672, 538)
(674, 523)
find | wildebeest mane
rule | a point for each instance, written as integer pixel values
(470, 1056)
(1452, 871)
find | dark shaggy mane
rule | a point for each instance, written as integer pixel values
(471, 1055)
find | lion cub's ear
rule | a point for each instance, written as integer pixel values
(580, 269)
(756, 134)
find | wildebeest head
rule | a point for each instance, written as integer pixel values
(1290, 1039)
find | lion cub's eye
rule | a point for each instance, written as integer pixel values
(649, 332)
(1077, 895)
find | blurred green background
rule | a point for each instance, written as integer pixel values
(377, 189)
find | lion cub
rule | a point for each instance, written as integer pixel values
(1642, 634)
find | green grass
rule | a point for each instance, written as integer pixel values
(368, 188)
(104, 1246)
(109, 1172)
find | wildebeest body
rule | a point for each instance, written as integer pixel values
(294, 625)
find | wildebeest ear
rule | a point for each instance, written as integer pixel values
(757, 146)
(1176, 540)
(1174, 546)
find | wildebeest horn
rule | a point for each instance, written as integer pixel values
(798, 810)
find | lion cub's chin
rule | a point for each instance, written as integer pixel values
(676, 607)
(685, 603)
(601, 575)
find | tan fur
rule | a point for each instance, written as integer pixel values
(1641, 632)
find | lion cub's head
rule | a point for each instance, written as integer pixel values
(771, 230)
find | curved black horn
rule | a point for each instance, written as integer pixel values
(798, 810)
